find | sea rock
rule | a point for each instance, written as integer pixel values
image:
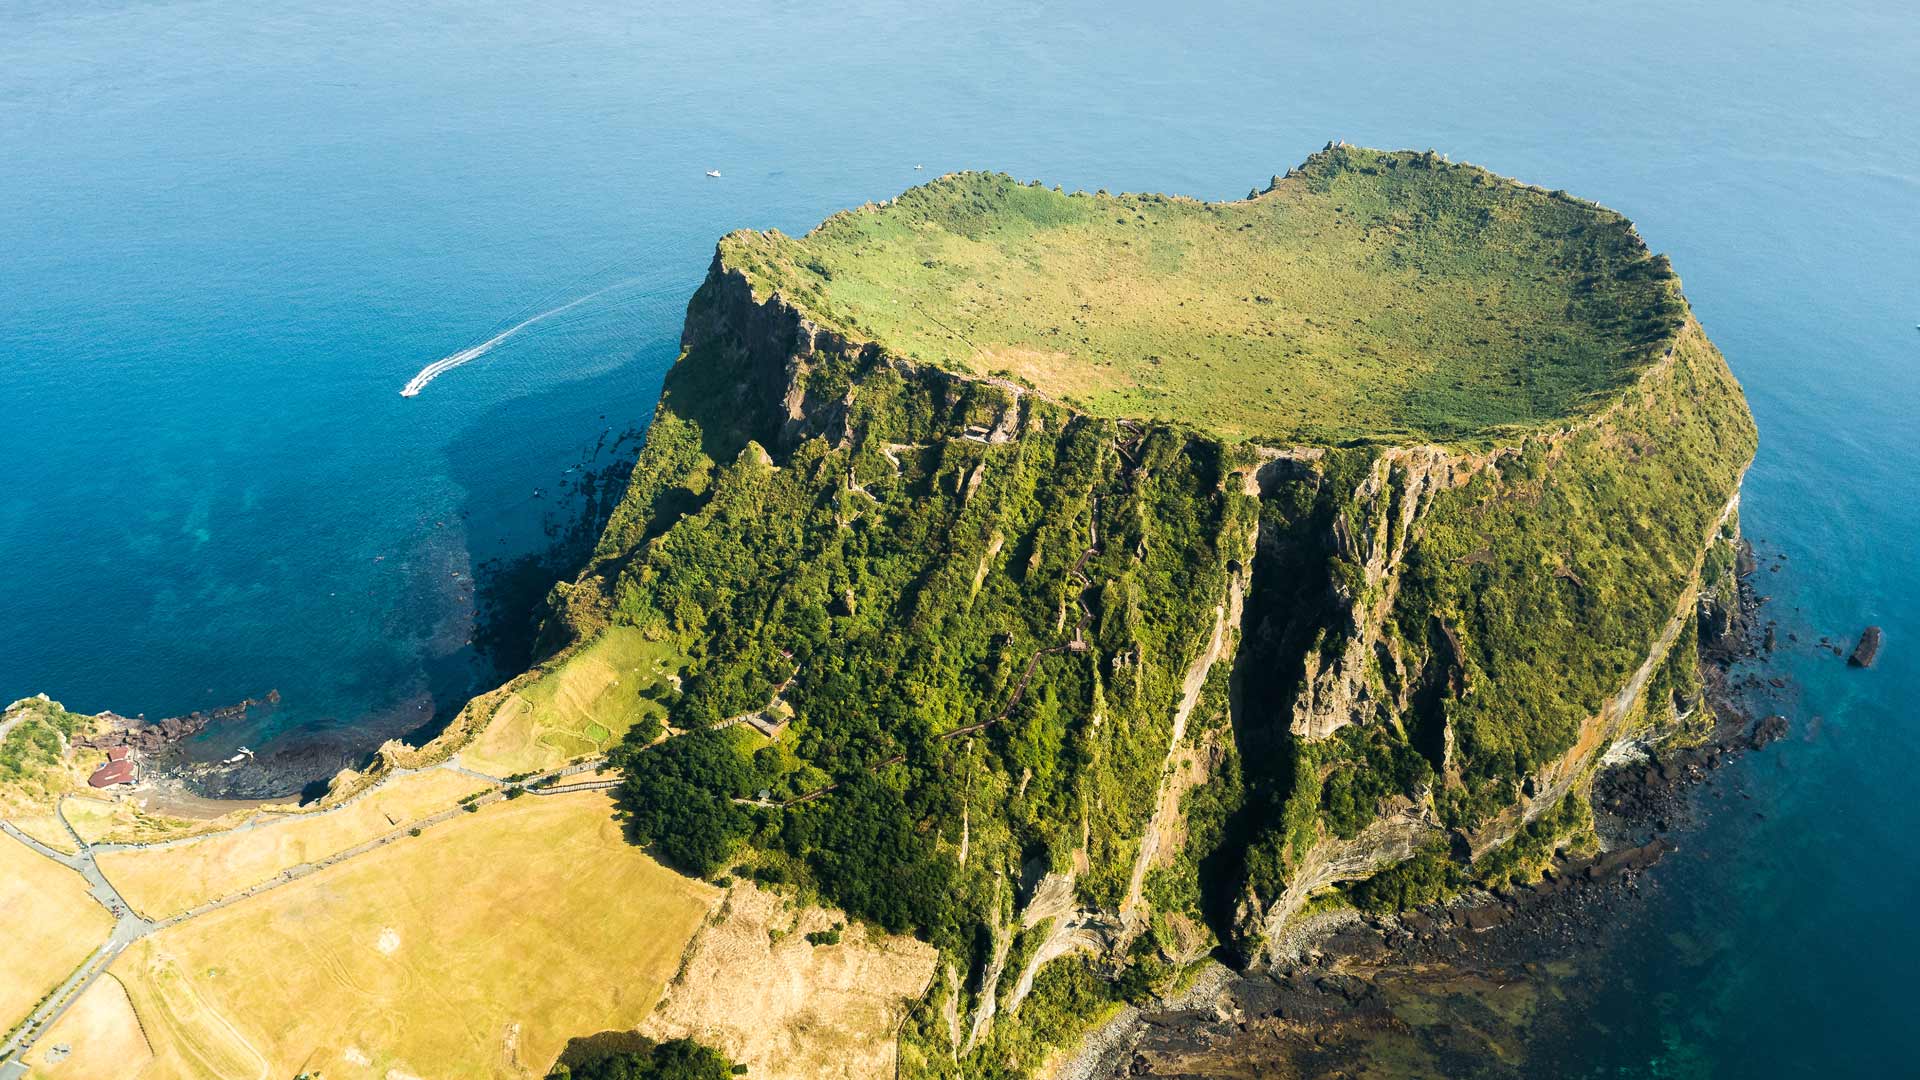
(149, 738)
(1868, 650)
(1767, 730)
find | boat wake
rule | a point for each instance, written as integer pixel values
(468, 355)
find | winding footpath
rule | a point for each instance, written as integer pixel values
(129, 926)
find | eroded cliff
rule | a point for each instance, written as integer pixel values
(1074, 672)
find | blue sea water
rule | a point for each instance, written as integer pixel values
(230, 232)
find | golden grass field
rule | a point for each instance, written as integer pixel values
(581, 707)
(46, 828)
(475, 950)
(103, 1035)
(48, 927)
(160, 882)
(122, 820)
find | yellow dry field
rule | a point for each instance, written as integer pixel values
(102, 1036)
(49, 926)
(164, 881)
(123, 821)
(580, 708)
(789, 1009)
(46, 828)
(475, 950)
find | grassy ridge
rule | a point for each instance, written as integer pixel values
(1365, 295)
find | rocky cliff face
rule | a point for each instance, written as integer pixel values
(1501, 612)
(1129, 685)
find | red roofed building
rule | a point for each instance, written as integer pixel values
(112, 773)
(117, 753)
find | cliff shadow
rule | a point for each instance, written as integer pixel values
(1290, 599)
(533, 512)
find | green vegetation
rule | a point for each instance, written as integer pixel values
(896, 590)
(1364, 295)
(36, 767)
(38, 736)
(1522, 858)
(1429, 876)
(1208, 810)
(582, 704)
(1559, 570)
(1068, 999)
(680, 795)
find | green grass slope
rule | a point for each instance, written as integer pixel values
(1365, 295)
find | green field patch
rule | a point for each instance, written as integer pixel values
(582, 706)
(1364, 295)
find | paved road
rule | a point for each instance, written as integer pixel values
(127, 929)
(130, 927)
(563, 789)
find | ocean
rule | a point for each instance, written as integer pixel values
(234, 232)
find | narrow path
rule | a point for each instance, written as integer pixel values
(130, 926)
(452, 764)
(264, 820)
(563, 789)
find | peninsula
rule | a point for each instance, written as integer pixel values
(1021, 597)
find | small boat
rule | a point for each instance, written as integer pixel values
(917, 168)
(715, 173)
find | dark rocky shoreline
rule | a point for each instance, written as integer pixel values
(1470, 988)
(155, 737)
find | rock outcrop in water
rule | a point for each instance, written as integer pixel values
(1868, 650)
(151, 737)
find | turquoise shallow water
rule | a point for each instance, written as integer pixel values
(231, 235)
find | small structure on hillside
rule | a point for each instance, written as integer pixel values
(767, 723)
(113, 774)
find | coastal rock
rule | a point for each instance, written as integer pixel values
(148, 738)
(1769, 729)
(1865, 653)
(1720, 625)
